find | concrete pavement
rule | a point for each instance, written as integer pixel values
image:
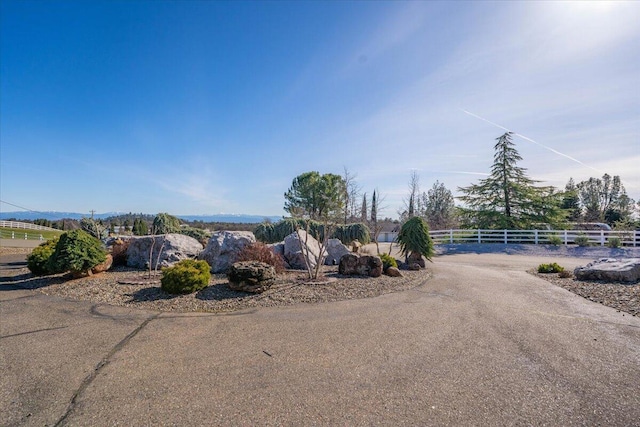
(482, 343)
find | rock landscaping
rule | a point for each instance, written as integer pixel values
(223, 249)
(124, 286)
(167, 250)
(626, 270)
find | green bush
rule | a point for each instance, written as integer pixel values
(554, 240)
(414, 238)
(352, 232)
(185, 277)
(197, 233)
(614, 242)
(38, 259)
(273, 233)
(164, 223)
(388, 261)
(78, 252)
(582, 241)
(550, 268)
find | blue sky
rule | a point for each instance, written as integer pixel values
(208, 107)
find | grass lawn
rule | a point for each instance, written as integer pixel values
(18, 233)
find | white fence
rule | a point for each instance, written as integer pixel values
(24, 226)
(566, 237)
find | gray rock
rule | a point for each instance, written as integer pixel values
(223, 248)
(364, 265)
(335, 251)
(251, 276)
(295, 256)
(168, 249)
(610, 270)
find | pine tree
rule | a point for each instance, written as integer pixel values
(363, 209)
(508, 199)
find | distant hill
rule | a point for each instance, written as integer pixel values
(55, 216)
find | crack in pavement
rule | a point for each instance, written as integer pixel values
(33, 332)
(89, 379)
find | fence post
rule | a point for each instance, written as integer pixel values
(601, 237)
(506, 240)
(565, 238)
(451, 236)
(535, 237)
(479, 239)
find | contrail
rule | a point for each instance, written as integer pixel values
(531, 140)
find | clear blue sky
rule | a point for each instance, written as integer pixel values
(208, 107)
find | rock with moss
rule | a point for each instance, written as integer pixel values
(251, 276)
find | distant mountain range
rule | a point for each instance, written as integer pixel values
(54, 216)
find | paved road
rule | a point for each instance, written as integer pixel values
(482, 343)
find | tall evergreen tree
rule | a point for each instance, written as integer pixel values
(571, 201)
(508, 199)
(364, 211)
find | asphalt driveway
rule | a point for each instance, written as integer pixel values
(482, 343)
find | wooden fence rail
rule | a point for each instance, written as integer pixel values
(566, 237)
(24, 226)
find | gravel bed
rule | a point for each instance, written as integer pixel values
(622, 297)
(291, 288)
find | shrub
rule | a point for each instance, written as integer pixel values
(550, 268)
(164, 223)
(388, 261)
(414, 238)
(554, 240)
(582, 241)
(352, 232)
(258, 251)
(614, 242)
(565, 274)
(197, 233)
(185, 277)
(78, 252)
(38, 259)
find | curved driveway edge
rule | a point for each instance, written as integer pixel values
(482, 343)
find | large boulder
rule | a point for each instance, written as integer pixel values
(610, 270)
(335, 251)
(364, 265)
(167, 250)
(223, 248)
(295, 256)
(251, 276)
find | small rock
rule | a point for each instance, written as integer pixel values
(393, 272)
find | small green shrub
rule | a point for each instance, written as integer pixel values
(185, 277)
(554, 240)
(614, 242)
(38, 259)
(78, 252)
(388, 261)
(582, 241)
(550, 268)
(258, 251)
